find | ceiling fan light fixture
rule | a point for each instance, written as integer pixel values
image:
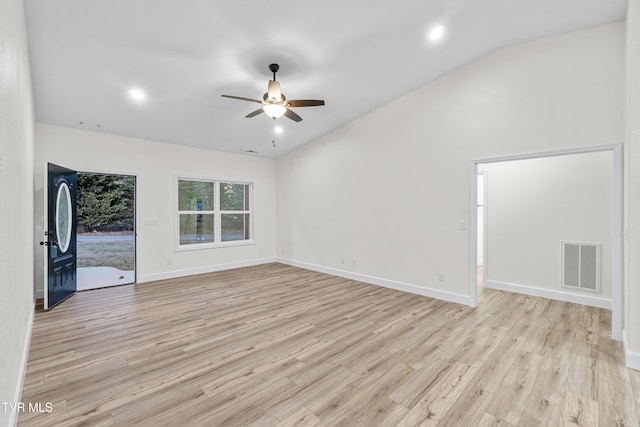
(274, 93)
(275, 111)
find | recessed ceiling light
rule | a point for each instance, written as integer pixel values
(278, 130)
(137, 95)
(436, 33)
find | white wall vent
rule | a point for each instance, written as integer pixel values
(581, 266)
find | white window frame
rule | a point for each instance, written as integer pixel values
(217, 215)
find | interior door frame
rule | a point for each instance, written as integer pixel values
(617, 296)
(485, 175)
(136, 214)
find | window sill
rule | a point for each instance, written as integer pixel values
(202, 246)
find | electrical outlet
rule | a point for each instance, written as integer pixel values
(169, 261)
(353, 262)
(1, 164)
(342, 261)
(441, 276)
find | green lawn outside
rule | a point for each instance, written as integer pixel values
(118, 253)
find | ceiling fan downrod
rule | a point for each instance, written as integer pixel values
(274, 69)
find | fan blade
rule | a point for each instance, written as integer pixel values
(305, 103)
(241, 98)
(293, 116)
(255, 113)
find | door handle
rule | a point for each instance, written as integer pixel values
(49, 243)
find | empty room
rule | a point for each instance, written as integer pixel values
(333, 213)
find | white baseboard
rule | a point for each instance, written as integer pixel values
(202, 270)
(392, 284)
(39, 294)
(13, 417)
(550, 294)
(632, 359)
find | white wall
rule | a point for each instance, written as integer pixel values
(632, 186)
(390, 189)
(156, 165)
(16, 208)
(533, 205)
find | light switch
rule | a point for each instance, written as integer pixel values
(462, 225)
(150, 222)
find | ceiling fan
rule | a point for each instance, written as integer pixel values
(275, 104)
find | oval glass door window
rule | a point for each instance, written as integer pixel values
(63, 217)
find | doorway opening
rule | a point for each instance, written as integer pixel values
(106, 237)
(616, 233)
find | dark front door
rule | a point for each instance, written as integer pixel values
(60, 235)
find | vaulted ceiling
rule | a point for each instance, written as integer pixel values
(357, 55)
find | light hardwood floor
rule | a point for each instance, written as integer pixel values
(276, 345)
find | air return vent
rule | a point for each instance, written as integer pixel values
(581, 266)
